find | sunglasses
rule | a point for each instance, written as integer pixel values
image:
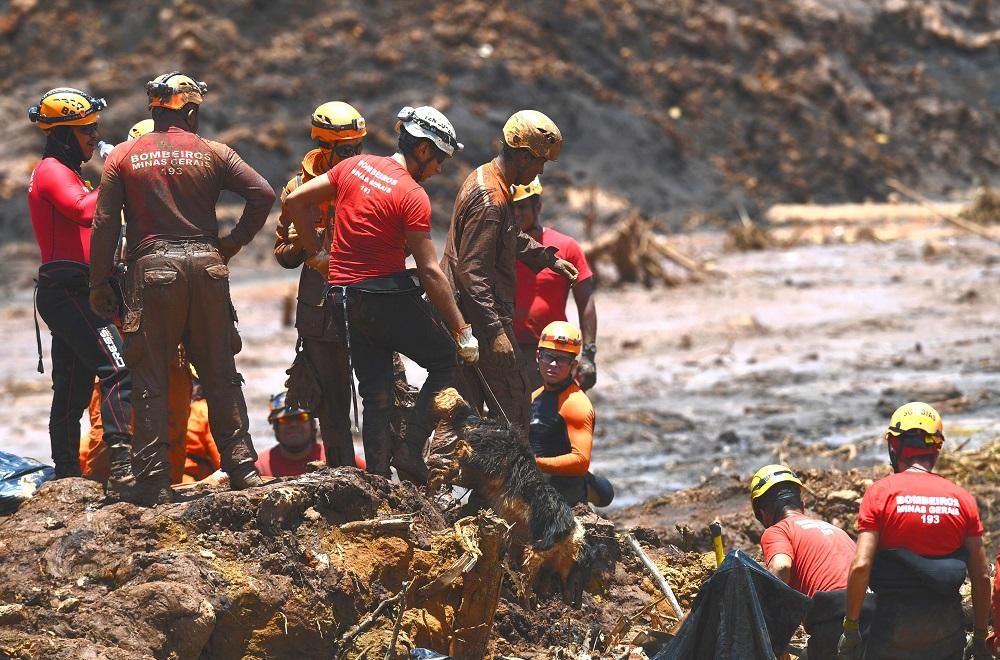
(545, 357)
(301, 417)
(89, 130)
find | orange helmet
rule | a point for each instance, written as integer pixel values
(66, 106)
(174, 90)
(336, 121)
(532, 130)
(561, 336)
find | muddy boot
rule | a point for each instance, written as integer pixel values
(120, 458)
(246, 476)
(145, 493)
(410, 465)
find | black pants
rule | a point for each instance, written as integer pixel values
(83, 346)
(916, 624)
(380, 324)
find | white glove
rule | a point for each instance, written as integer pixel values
(105, 149)
(468, 345)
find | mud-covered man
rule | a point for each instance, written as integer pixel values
(168, 182)
(338, 129)
(483, 245)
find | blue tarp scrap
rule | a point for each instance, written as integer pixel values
(19, 479)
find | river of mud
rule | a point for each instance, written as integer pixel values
(799, 355)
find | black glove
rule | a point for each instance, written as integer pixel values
(976, 650)
(850, 646)
(586, 372)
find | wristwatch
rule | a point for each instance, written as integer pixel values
(590, 350)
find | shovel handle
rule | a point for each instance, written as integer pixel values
(715, 528)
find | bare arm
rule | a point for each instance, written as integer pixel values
(583, 295)
(780, 567)
(297, 206)
(979, 577)
(860, 573)
(432, 278)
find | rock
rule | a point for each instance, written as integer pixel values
(844, 496)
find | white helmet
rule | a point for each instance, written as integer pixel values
(426, 122)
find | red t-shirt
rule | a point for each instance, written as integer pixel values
(821, 553)
(541, 298)
(273, 462)
(62, 207)
(919, 511)
(377, 203)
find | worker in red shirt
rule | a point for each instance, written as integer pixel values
(338, 129)
(168, 182)
(809, 555)
(918, 536)
(382, 212)
(84, 344)
(541, 297)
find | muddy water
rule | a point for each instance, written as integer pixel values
(796, 353)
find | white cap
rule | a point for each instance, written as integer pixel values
(426, 122)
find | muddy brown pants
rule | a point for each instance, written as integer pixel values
(529, 362)
(179, 292)
(507, 381)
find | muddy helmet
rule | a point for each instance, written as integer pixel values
(66, 106)
(140, 128)
(915, 429)
(426, 122)
(336, 121)
(174, 90)
(561, 336)
(531, 190)
(532, 130)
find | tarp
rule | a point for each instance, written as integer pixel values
(742, 612)
(19, 479)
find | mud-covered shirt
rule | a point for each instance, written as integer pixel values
(921, 512)
(169, 183)
(62, 206)
(377, 203)
(483, 243)
(821, 553)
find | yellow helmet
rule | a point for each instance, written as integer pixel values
(768, 476)
(174, 90)
(532, 130)
(139, 129)
(336, 121)
(561, 336)
(917, 415)
(530, 190)
(66, 106)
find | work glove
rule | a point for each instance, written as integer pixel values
(320, 262)
(292, 234)
(976, 649)
(103, 301)
(502, 350)
(586, 373)
(850, 646)
(567, 270)
(228, 247)
(104, 149)
(468, 345)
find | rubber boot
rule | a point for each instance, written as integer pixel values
(246, 476)
(409, 464)
(120, 458)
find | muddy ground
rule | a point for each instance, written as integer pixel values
(796, 355)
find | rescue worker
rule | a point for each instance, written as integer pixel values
(168, 182)
(809, 555)
(295, 431)
(483, 244)
(84, 344)
(918, 535)
(382, 211)
(562, 418)
(540, 298)
(338, 128)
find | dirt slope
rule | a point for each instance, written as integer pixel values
(676, 107)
